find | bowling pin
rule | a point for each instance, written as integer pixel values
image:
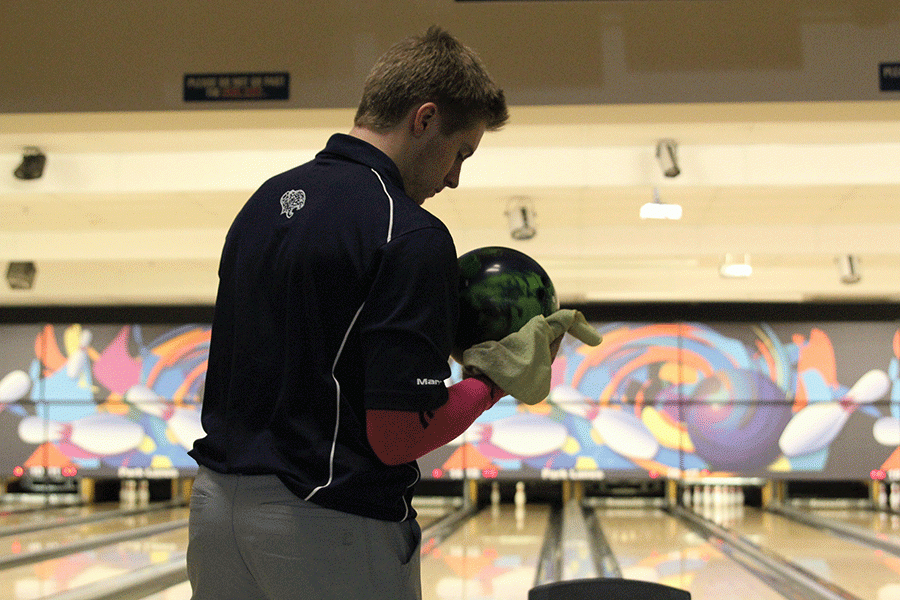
(185, 426)
(183, 422)
(143, 493)
(77, 365)
(894, 374)
(894, 497)
(127, 493)
(101, 434)
(573, 402)
(524, 434)
(519, 511)
(519, 514)
(882, 496)
(886, 431)
(625, 434)
(14, 386)
(79, 362)
(495, 493)
(816, 425)
(686, 496)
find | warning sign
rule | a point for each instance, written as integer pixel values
(217, 87)
(889, 77)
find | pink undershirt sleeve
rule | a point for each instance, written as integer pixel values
(399, 437)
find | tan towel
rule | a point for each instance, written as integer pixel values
(520, 363)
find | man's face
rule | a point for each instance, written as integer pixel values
(439, 162)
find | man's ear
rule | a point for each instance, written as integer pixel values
(424, 119)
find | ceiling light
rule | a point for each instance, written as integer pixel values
(20, 275)
(32, 166)
(660, 210)
(520, 213)
(848, 267)
(732, 268)
(667, 154)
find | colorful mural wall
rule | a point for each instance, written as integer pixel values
(108, 400)
(676, 400)
(688, 400)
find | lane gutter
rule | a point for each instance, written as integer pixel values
(783, 575)
(141, 583)
(98, 516)
(854, 534)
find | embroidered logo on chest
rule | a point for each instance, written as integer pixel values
(292, 200)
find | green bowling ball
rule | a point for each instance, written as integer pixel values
(500, 290)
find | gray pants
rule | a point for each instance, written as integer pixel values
(252, 539)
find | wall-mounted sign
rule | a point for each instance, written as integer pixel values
(889, 77)
(217, 87)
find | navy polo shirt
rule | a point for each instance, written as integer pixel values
(337, 294)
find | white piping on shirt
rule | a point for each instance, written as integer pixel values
(406, 506)
(337, 384)
(337, 418)
(391, 203)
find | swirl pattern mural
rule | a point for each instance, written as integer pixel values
(807, 400)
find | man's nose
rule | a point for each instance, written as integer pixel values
(452, 178)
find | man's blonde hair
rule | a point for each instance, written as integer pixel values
(435, 68)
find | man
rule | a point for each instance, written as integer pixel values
(335, 315)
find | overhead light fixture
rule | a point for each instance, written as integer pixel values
(667, 154)
(32, 166)
(20, 275)
(848, 267)
(660, 210)
(520, 212)
(732, 268)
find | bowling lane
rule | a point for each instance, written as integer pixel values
(493, 556)
(11, 506)
(182, 591)
(431, 509)
(52, 514)
(41, 579)
(862, 571)
(59, 536)
(58, 516)
(652, 545)
(880, 523)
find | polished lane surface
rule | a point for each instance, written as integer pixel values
(48, 514)
(861, 570)
(649, 544)
(878, 522)
(40, 579)
(429, 510)
(182, 591)
(493, 556)
(53, 537)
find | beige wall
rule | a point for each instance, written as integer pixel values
(139, 189)
(103, 55)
